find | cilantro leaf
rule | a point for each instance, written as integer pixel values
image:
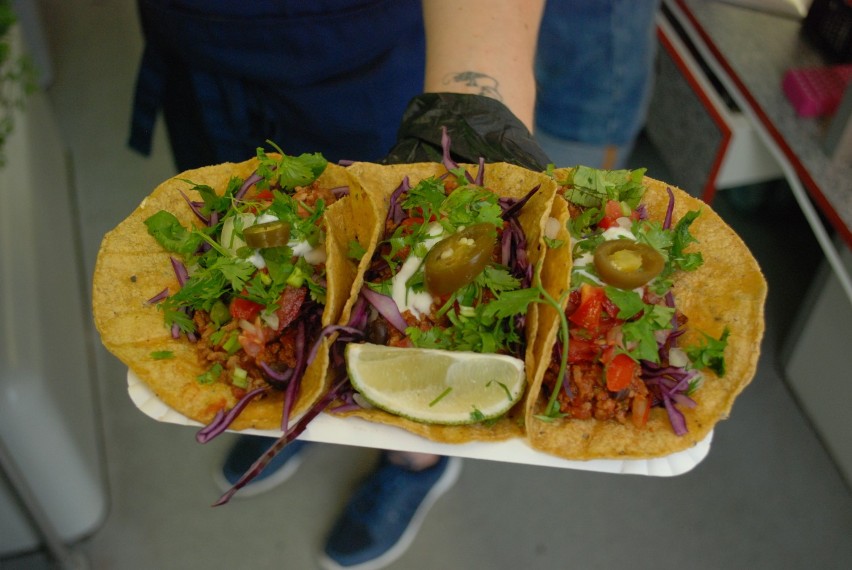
(629, 302)
(212, 201)
(710, 353)
(641, 331)
(175, 316)
(651, 232)
(426, 197)
(288, 172)
(497, 278)
(592, 187)
(511, 303)
(681, 238)
(235, 271)
(471, 205)
(355, 250)
(553, 243)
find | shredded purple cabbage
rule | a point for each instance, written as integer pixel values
(359, 315)
(667, 222)
(352, 333)
(222, 420)
(446, 159)
(158, 297)
(395, 212)
(512, 206)
(196, 209)
(274, 376)
(288, 436)
(247, 184)
(340, 191)
(180, 270)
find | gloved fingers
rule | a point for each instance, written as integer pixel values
(480, 127)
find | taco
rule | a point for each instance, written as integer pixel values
(664, 318)
(405, 297)
(215, 288)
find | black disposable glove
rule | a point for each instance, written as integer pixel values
(478, 127)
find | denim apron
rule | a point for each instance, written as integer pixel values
(330, 76)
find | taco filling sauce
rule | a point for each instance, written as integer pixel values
(623, 320)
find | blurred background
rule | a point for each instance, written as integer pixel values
(88, 481)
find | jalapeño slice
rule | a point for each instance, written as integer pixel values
(626, 264)
(268, 234)
(456, 260)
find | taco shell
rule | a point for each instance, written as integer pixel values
(728, 290)
(372, 193)
(132, 267)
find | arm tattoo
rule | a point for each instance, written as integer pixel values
(487, 85)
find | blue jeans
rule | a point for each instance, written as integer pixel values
(594, 70)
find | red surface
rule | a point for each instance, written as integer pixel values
(806, 178)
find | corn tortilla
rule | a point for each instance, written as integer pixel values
(132, 267)
(372, 192)
(728, 290)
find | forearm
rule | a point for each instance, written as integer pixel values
(484, 47)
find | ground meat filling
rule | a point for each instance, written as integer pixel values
(584, 394)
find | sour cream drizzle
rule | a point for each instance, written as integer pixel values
(406, 299)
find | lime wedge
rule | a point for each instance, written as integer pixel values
(436, 386)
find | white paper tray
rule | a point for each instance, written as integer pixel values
(355, 431)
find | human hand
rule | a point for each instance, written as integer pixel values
(480, 127)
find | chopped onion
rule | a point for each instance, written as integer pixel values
(551, 228)
(677, 357)
(624, 222)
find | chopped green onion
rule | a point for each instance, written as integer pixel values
(162, 354)
(232, 345)
(240, 378)
(211, 375)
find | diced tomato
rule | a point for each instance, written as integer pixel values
(264, 195)
(612, 211)
(588, 312)
(582, 350)
(619, 372)
(244, 309)
(610, 308)
(253, 337)
(411, 221)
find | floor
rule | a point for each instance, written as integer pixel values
(766, 496)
